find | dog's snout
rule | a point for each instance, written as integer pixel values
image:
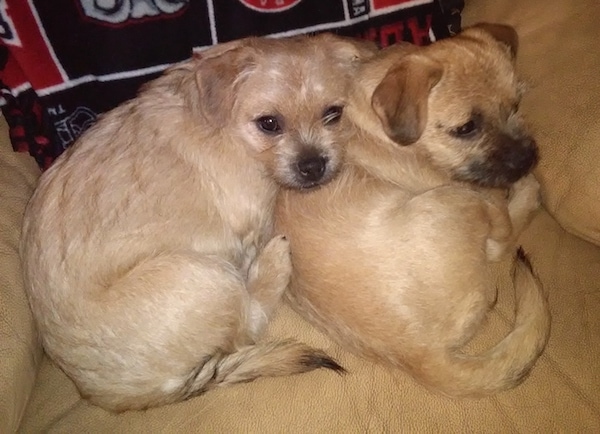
(509, 161)
(523, 157)
(312, 168)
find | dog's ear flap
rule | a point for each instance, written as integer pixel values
(219, 72)
(401, 99)
(504, 34)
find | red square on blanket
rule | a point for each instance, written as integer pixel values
(380, 4)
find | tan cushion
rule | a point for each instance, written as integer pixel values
(19, 351)
(560, 59)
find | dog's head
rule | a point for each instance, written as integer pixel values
(458, 100)
(284, 101)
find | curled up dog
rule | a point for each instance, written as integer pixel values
(150, 260)
(391, 258)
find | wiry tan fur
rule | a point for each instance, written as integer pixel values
(391, 258)
(150, 259)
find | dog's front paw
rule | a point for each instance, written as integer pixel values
(278, 253)
(525, 195)
(524, 198)
(270, 273)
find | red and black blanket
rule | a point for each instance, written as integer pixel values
(64, 62)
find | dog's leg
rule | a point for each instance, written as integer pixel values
(524, 200)
(500, 235)
(497, 246)
(268, 278)
(154, 325)
(180, 327)
(509, 220)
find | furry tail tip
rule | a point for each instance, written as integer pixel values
(522, 257)
(319, 359)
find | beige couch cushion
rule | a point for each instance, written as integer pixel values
(19, 351)
(560, 59)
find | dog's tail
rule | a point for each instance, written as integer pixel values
(269, 359)
(509, 362)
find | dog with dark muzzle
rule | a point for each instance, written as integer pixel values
(391, 258)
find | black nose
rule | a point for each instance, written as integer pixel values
(312, 168)
(524, 157)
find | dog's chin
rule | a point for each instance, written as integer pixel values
(298, 182)
(491, 176)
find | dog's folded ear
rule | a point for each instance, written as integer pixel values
(400, 99)
(219, 71)
(502, 33)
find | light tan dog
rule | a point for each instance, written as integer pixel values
(148, 248)
(391, 257)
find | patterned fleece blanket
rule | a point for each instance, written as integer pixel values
(64, 62)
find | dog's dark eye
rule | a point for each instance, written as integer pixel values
(465, 130)
(332, 114)
(269, 125)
